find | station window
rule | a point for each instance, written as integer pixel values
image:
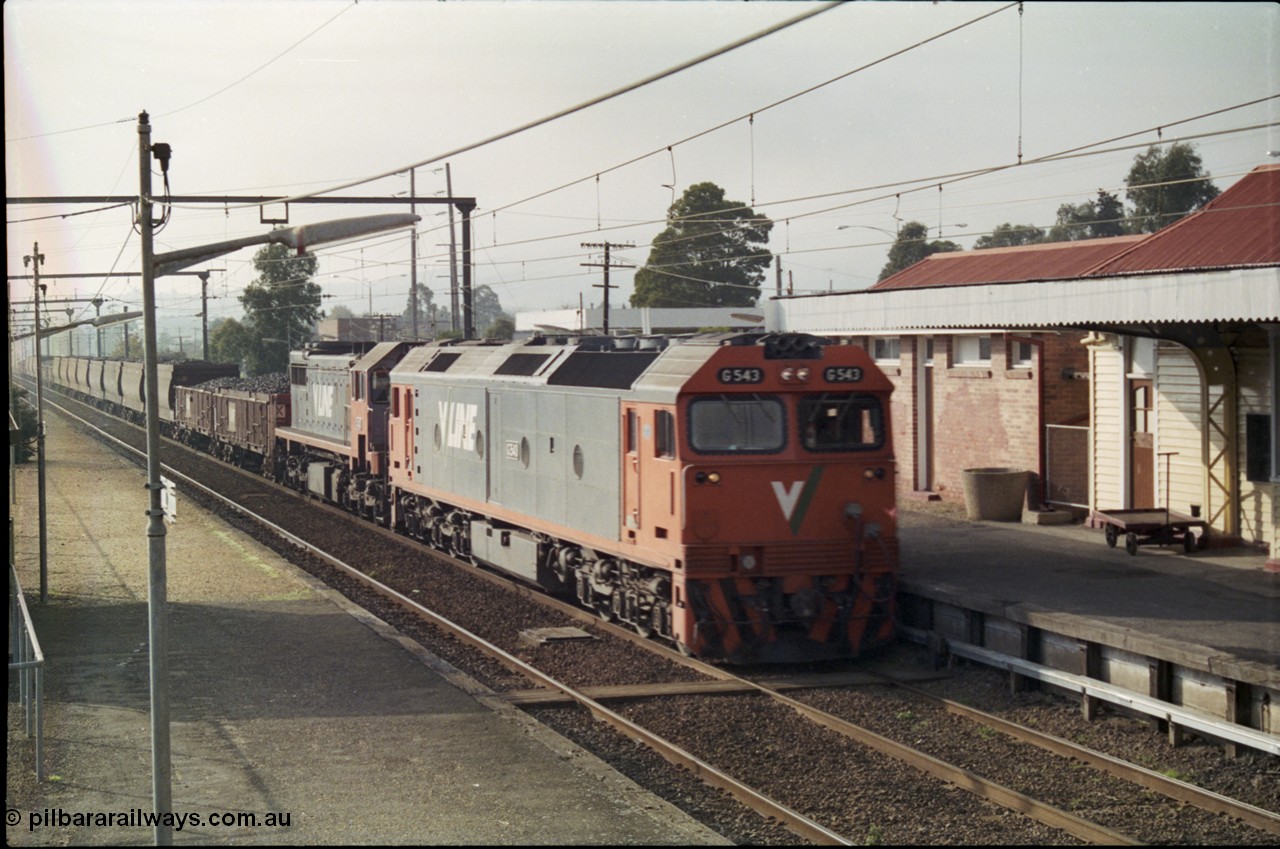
(1020, 354)
(972, 351)
(886, 349)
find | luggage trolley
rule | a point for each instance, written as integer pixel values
(1153, 526)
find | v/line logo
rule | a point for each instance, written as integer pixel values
(457, 423)
(322, 401)
(794, 498)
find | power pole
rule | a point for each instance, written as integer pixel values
(34, 260)
(204, 312)
(453, 258)
(413, 251)
(606, 265)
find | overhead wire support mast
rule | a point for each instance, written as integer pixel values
(606, 265)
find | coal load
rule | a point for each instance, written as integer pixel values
(276, 383)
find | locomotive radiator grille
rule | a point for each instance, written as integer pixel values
(811, 558)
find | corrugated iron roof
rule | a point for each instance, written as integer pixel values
(1240, 228)
(1050, 261)
(1237, 229)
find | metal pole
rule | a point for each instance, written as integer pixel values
(97, 313)
(468, 320)
(453, 255)
(204, 312)
(413, 254)
(157, 600)
(36, 258)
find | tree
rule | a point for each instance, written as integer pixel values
(713, 253)
(341, 311)
(231, 342)
(486, 309)
(503, 328)
(912, 246)
(281, 306)
(425, 298)
(1165, 185)
(1097, 219)
(1011, 235)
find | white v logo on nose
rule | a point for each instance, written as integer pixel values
(788, 496)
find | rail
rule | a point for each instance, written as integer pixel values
(1145, 705)
(27, 660)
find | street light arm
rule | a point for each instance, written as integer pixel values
(299, 238)
(104, 321)
(305, 236)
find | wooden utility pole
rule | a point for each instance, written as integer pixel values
(606, 265)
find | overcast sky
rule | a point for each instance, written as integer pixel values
(287, 97)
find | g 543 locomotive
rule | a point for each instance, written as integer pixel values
(731, 494)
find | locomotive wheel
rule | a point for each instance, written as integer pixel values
(1110, 533)
(644, 622)
(604, 607)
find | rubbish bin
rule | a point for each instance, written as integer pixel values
(995, 493)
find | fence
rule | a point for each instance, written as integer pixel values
(28, 660)
(1067, 465)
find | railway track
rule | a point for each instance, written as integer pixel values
(787, 744)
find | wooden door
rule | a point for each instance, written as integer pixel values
(1142, 450)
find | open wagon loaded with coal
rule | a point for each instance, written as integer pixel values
(234, 418)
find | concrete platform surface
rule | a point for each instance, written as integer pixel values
(1217, 609)
(284, 701)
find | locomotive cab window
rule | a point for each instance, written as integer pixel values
(841, 421)
(664, 434)
(737, 424)
(379, 385)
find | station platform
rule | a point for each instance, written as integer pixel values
(284, 699)
(1215, 610)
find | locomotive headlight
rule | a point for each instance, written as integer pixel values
(748, 562)
(788, 375)
(802, 374)
(876, 473)
(707, 477)
(713, 477)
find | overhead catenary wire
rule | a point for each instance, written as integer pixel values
(587, 104)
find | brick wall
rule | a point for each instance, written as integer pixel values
(987, 415)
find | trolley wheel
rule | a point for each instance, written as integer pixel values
(1189, 542)
(1110, 533)
(1131, 543)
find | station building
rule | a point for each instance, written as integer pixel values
(1123, 373)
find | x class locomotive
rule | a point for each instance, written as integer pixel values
(731, 494)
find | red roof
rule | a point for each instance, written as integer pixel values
(1049, 261)
(1240, 227)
